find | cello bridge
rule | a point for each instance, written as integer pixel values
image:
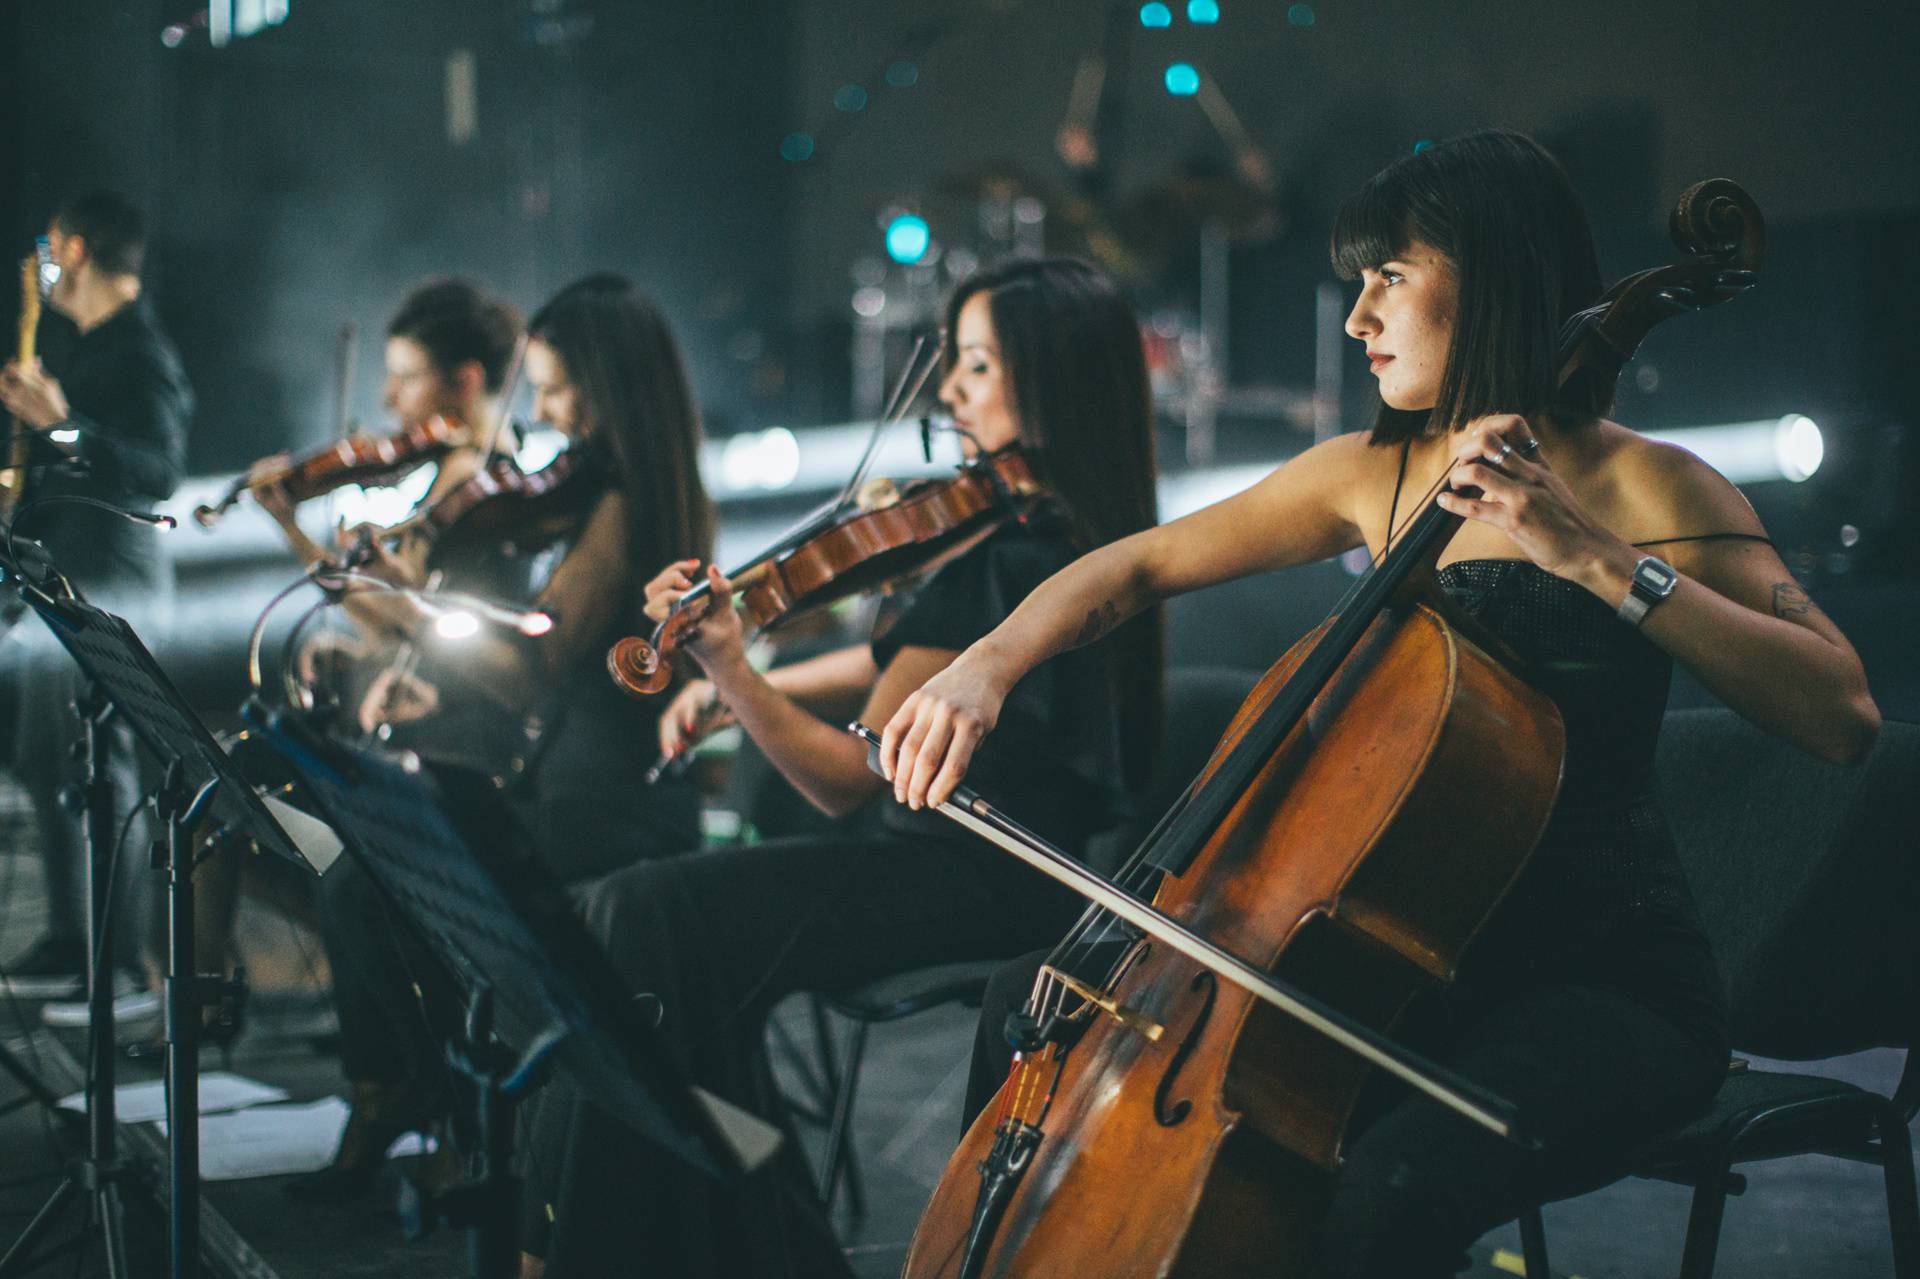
(1132, 1020)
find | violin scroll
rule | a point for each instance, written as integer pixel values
(636, 667)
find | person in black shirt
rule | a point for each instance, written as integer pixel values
(110, 390)
(1045, 354)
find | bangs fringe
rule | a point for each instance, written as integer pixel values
(1372, 227)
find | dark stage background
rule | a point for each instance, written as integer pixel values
(742, 159)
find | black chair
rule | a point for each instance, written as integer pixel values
(1200, 702)
(1808, 884)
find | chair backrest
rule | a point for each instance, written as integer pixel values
(1807, 876)
(1201, 701)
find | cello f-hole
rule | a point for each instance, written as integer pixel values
(1174, 1114)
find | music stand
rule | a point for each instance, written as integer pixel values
(200, 783)
(445, 853)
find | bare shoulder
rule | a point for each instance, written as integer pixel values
(1667, 491)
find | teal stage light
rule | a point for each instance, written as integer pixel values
(1155, 15)
(1182, 80)
(908, 238)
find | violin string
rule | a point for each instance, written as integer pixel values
(895, 408)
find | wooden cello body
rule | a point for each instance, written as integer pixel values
(1207, 1151)
(1372, 801)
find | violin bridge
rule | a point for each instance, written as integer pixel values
(1113, 1008)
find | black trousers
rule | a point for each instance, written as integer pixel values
(719, 937)
(1595, 1071)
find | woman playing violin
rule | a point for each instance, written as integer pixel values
(606, 372)
(1045, 354)
(1591, 999)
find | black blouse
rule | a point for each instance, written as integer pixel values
(1053, 763)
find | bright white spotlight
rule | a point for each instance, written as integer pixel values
(767, 461)
(457, 625)
(1782, 448)
(536, 624)
(1798, 445)
(65, 435)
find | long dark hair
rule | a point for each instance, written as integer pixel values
(1070, 352)
(638, 412)
(1501, 208)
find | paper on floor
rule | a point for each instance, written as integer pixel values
(219, 1091)
(273, 1141)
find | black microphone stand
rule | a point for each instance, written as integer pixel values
(102, 1171)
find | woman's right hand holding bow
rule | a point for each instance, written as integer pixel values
(928, 744)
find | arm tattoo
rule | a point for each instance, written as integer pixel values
(1790, 601)
(1100, 620)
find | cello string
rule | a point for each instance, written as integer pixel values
(1097, 925)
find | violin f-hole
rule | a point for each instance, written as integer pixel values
(1167, 1115)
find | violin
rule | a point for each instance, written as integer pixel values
(1182, 1110)
(845, 549)
(358, 459)
(502, 503)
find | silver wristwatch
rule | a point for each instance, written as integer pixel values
(1653, 581)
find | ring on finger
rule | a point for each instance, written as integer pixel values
(1506, 451)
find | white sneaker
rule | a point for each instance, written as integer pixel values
(134, 1006)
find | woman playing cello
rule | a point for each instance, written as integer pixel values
(1043, 353)
(1591, 998)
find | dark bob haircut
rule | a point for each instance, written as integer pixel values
(112, 226)
(1071, 355)
(454, 322)
(1504, 212)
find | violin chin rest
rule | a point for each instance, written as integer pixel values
(636, 667)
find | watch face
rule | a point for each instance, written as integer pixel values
(1654, 577)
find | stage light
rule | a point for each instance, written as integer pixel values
(903, 75)
(796, 147)
(869, 301)
(1300, 15)
(1203, 13)
(766, 461)
(1798, 447)
(538, 447)
(1783, 448)
(908, 238)
(1182, 80)
(1155, 15)
(457, 625)
(850, 98)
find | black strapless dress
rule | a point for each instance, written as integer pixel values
(1604, 901)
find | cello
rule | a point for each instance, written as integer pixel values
(1182, 1110)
